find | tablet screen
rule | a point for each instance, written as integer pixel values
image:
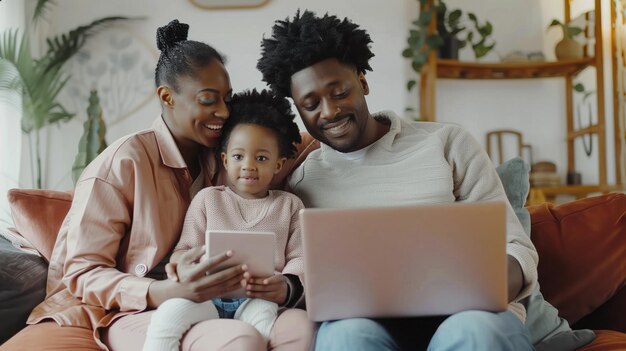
(253, 248)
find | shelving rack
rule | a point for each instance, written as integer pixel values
(452, 69)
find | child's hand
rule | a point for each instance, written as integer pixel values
(171, 270)
(272, 288)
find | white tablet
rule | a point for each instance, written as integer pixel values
(253, 248)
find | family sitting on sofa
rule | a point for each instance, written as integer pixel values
(113, 262)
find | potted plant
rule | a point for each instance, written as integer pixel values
(449, 26)
(568, 48)
(445, 39)
(38, 81)
(92, 142)
(420, 41)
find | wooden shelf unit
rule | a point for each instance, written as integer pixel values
(453, 69)
(579, 191)
(618, 51)
(567, 70)
(539, 195)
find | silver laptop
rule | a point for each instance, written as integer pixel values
(421, 260)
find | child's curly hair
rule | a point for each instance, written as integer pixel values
(268, 110)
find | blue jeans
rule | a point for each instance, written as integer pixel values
(226, 308)
(469, 330)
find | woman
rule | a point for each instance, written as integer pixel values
(108, 264)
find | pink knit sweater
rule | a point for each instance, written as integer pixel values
(220, 208)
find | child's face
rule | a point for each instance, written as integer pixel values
(251, 159)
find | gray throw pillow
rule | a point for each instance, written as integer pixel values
(547, 330)
(22, 287)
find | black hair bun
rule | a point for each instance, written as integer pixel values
(170, 34)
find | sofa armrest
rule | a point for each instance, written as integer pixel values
(582, 252)
(23, 281)
(38, 215)
(608, 316)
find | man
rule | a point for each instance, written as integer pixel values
(320, 62)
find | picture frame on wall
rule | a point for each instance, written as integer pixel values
(228, 4)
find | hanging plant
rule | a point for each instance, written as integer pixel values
(445, 39)
(587, 145)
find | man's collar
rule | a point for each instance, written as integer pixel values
(386, 141)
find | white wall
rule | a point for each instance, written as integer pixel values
(237, 34)
(534, 107)
(11, 16)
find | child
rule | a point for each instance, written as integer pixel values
(257, 139)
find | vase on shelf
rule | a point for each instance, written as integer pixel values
(450, 48)
(568, 49)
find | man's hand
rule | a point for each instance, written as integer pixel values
(274, 288)
(515, 278)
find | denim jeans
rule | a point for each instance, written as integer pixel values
(469, 330)
(226, 308)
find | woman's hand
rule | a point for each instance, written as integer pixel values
(274, 288)
(189, 279)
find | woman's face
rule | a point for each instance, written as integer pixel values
(196, 113)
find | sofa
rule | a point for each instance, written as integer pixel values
(581, 246)
(582, 264)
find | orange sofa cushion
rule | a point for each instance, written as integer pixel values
(606, 340)
(49, 336)
(38, 214)
(611, 315)
(582, 250)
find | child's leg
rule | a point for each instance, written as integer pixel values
(172, 319)
(261, 314)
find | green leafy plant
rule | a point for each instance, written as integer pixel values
(580, 88)
(421, 41)
(92, 142)
(453, 25)
(37, 82)
(483, 32)
(569, 31)
(449, 26)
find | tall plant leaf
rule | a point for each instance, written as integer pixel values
(42, 7)
(62, 47)
(15, 48)
(10, 84)
(92, 142)
(39, 81)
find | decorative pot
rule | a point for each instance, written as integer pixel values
(450, 48)
(568, 49)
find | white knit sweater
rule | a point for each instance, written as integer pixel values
(414, 163)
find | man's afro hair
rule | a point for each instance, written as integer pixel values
(307, 40)
(268, 110)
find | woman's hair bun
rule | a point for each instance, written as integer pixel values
(170, 34)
